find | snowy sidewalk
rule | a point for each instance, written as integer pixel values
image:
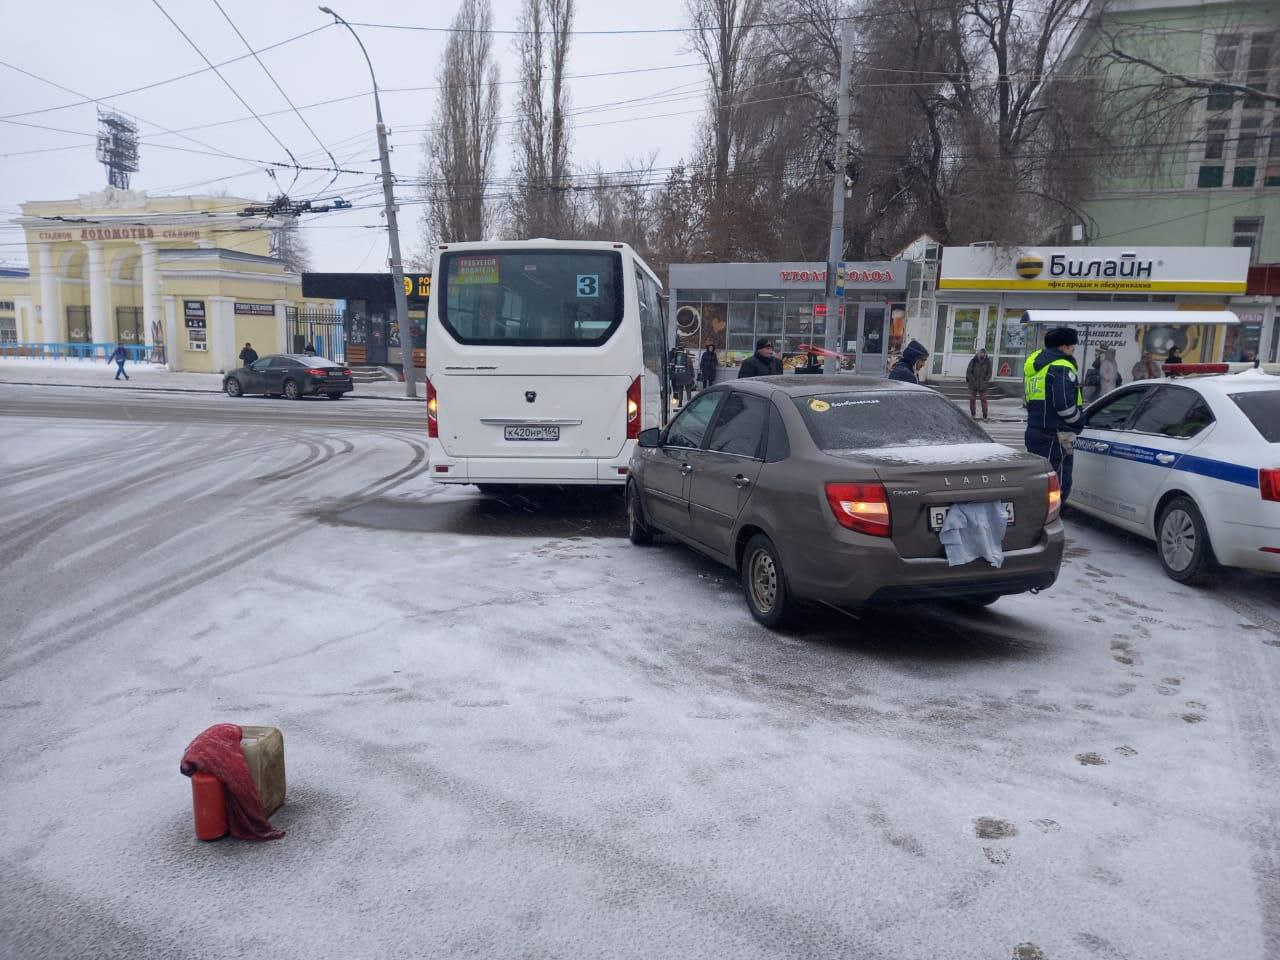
(145, 376)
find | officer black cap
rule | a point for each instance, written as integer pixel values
(1060, 337)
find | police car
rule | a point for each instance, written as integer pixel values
(1192, 462)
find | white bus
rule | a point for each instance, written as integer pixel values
(545, 360)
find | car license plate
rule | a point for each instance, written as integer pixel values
(531, 433)
(938, 515)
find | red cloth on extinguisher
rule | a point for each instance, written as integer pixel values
(217, 752)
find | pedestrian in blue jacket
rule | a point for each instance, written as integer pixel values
(119, 356)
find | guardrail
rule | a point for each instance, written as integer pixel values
(79, 351)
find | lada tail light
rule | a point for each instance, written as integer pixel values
(1054, 506)
(863, 507)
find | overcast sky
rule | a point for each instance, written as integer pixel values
(100, 49)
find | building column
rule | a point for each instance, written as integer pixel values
(99, 294)
(150, 292)
(282, 327)
(172, 354)
(222, 332)
(24, 311)
(53, 322)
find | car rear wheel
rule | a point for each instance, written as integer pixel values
(764, 582)
(292, 391)
(233, 388)
(1183, 541)
(638, 532)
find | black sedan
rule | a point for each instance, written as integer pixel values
(291, 375)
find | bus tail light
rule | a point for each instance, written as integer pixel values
(863, 507)
(1054, 506)
(1269, 484)
(433, 406)
(633, 409)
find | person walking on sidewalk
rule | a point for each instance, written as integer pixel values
(708, 364)
(762, 363)
(119, 355)
(978, 378)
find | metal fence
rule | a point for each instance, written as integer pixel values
(68, 350)
(319, 328)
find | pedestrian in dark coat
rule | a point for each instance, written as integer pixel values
(1175, 355)
(708, 364)
(762, 363)
(119, 356)
(912, 359)
(309, 349)
(978, 378)
(248, 355)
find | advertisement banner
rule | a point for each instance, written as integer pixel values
(1119, 269)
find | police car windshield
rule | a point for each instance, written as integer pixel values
(1262, 407)
(871, 421)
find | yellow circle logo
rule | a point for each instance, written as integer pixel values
(1029, 266)
(819, 406)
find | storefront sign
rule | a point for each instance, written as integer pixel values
(193, 314)
(856, 276)
(119, 233)
(1119, 269)
(417, 285)
(254, 309)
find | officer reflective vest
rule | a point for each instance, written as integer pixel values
(1034, 381)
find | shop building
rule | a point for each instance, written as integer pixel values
(734, 304)
(365, 316)
(180, 280)
(983, 292)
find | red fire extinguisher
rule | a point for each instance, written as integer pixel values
(209, 804)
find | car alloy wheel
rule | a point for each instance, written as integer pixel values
(1183, 541)
(291, 391)
(233, 388)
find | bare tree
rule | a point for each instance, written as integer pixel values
(288, 244)
(720, 32)
(458, 149)
(540, 205)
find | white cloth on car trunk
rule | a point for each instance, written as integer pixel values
(974, 530)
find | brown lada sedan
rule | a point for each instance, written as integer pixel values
(834, 489)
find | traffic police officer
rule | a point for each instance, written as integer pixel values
(1051, 387)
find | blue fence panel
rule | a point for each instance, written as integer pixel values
(71, 351)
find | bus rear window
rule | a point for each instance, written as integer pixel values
(1262, 407)
(537, 298)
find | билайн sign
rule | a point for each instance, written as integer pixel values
(1119, 269)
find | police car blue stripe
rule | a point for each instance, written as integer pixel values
(1201, 466)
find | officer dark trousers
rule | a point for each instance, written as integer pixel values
(1045, 443)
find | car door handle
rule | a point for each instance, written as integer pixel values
(741, 481)
(686, 469)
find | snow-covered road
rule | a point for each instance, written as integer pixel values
(511, 734)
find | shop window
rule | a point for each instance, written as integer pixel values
(1244, 176)
(964, 329)
(1013, 344)
(1247, 232)
(129, 325)
(939, 338)
(1209, 177)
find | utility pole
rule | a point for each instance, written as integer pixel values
(836, 251)
(389, 204)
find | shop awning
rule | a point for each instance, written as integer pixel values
(1147, 318)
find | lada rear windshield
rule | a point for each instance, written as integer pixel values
(541, 298)
(1262, 407)
(873, 421)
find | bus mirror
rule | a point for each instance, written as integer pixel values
(650, 438)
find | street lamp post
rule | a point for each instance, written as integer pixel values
(389, 202)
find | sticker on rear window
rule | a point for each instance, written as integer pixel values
(476, 270)
(588, 284)
(819, 406)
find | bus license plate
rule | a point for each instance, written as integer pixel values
(531, 433)
(938, 515)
